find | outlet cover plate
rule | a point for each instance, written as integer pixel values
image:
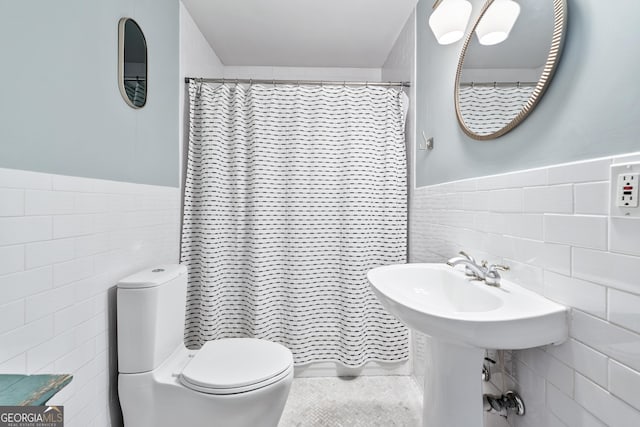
(614, 209)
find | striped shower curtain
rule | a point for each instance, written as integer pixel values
(487, 109)
(292, 194)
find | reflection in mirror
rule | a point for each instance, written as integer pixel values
(132, 63)
(498, 85)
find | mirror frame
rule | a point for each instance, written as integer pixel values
(121, 40)
(557, 41)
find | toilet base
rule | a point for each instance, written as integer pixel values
(157, 399)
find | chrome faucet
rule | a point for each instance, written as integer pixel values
(471, 268)
(489, 274)
(468, 261)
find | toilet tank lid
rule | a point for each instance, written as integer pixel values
(154, 276)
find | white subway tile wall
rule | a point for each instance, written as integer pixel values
(64, 243)
(551, 225)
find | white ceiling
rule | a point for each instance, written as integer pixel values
(301, 33)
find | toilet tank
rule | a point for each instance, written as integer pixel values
(150, 309)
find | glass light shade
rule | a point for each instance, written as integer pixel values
(449, 21)
(497, 22)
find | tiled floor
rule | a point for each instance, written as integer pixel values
(383, 401)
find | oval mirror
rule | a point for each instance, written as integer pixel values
(132, 63)
(506, 64)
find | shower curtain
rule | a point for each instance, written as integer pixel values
(292, 194)
(487, 109)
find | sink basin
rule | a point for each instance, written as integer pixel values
(444, 303)
(462, 317)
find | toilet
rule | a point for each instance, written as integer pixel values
(234, 382)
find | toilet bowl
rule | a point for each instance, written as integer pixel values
(233, 382)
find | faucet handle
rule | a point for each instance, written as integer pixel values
(468, 271)
(492, 277)
(467, 256)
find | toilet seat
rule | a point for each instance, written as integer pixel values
(236, 365)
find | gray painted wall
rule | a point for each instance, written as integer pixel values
(60, 108)
(591, 109)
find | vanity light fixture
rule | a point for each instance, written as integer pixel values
(449, 20)
(497, 22)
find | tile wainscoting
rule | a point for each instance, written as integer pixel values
(64, 243)
(551, 226)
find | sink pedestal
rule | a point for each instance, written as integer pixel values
(452, 385)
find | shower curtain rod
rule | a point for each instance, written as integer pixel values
(297, 82)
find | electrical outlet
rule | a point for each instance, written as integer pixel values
(625, 181)
(627, 190)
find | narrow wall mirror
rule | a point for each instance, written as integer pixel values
(132, 63)
(499, 84)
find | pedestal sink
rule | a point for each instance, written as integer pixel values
(463, 318)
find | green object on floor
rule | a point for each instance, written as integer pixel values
(30, 390)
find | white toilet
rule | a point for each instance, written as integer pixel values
(236, 382)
